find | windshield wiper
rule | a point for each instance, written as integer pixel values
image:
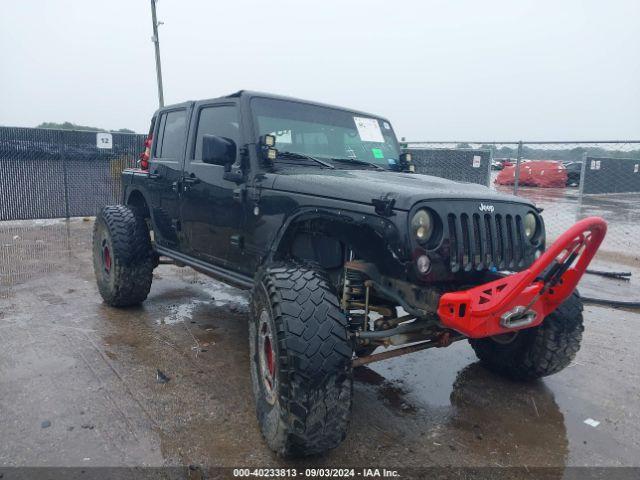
(294, 155)
(358, 162)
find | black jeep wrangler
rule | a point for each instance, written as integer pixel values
(319, 212)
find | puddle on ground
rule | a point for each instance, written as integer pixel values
(391, 392)
(181, 313)
(429, 375)
(210, 295)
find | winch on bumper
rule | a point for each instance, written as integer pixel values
(506, 304)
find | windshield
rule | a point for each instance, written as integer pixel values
(326, 133)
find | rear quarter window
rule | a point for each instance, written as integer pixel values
(171, 134)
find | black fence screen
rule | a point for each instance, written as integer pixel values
(610, 175)
(463, 165)
(62, 173)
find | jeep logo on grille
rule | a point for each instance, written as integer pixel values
(486, 208)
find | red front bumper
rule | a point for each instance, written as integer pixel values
(524, 299)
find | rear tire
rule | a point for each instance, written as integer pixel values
(539, 351)
(300, 360)
(123, 259)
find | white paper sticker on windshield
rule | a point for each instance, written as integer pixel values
(282, 136)
(476, 161)
(368, 129)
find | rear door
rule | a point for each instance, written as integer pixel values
(165, 172)
(211, 214)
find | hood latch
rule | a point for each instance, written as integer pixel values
(384, 205)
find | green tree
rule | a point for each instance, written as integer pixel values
(73, 126)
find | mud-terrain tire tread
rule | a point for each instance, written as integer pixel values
(538, 351)
(314, 358)
(132, 256)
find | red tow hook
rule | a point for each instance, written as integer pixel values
(524, 299)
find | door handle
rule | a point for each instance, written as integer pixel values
(187, 182)
(153, 176)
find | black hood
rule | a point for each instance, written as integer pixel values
(364, 185)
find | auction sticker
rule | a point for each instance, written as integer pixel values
(476, 161)
(368, 129)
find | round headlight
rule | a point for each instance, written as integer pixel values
(530, 225)
(422, 226)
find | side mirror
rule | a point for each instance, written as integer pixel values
(218, 150)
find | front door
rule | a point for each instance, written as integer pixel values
(212, 217)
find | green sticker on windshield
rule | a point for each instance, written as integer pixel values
(377, 153)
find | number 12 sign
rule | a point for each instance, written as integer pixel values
(104, 140)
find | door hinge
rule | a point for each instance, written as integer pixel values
(239, 194)
(237, 241)
(254, 194)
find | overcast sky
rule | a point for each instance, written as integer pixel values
(440, 70)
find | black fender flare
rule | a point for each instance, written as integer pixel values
(383, 227)
(131, 191)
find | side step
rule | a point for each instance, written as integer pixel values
(219, 273)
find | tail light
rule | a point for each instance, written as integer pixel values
(144, 156)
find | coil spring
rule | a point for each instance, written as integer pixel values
(354, 289)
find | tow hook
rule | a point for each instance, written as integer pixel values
(518, 317)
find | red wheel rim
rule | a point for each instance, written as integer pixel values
(267, 359)
(106, 259)
(269, 355)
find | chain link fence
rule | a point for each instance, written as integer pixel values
(62, 173)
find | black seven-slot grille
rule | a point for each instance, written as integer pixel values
(485, 240)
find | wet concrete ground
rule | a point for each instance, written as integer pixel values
(78, 381)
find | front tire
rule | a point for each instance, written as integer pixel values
(123, 259)
(300, 361)
(539, 351)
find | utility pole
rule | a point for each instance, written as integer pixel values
(156, 40)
